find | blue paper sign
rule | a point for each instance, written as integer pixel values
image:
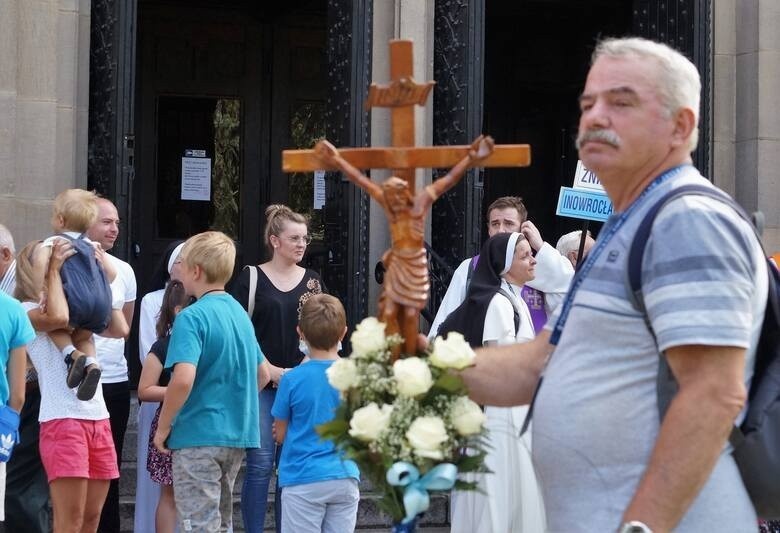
(580, 203)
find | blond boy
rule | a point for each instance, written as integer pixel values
(320, 488)
(210, 411)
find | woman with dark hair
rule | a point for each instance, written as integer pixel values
(147, 492)
(273, 294)
(493, 313)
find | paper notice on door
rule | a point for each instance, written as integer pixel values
(319, 189)
(196, 178)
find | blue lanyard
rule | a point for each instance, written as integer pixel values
(611, 227)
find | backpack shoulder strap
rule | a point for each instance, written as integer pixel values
(470, 272)
(250, 303)
(666, 384)
(637, 250)
(515, 310)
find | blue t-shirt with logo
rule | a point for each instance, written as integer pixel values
(216, 336)
(15, 331)
(305, 399)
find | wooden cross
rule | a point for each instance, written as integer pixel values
(405, 292)
(403, 157)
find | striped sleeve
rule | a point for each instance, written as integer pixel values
(698, 275)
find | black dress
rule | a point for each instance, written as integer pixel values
(276, 314)
(159, 464)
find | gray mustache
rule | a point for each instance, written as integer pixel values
(605, 136)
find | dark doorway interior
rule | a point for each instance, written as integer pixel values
(537, 54)
(221, 88)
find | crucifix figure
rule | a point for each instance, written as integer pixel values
(406, 287)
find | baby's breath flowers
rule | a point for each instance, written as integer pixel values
(415, 412)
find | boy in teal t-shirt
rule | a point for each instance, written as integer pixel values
(210, 411)
(320, 486)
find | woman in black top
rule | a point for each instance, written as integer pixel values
(282, 288)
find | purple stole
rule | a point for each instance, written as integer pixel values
(533, 299)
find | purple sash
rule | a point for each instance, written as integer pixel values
(535, 301)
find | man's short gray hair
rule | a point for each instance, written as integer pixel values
(6, 239)
(569, 242)
(679, 83)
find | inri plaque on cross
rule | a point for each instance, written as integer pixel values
(405, 290)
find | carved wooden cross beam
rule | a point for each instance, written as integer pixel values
(403, 157)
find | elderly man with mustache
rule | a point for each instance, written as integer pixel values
(605, 459)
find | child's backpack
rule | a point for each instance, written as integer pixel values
(86, 287)
(756, 441)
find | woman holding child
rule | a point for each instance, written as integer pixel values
(492, 313)
(280, 287)
(76, 447)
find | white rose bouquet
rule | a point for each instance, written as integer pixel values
(406, 425)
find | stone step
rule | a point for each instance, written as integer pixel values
(370, 518)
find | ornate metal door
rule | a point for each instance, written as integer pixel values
(111, 165)
(346, 207)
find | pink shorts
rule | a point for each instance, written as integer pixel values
(78, 448)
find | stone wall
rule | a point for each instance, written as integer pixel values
(44, 84)
(746, 117)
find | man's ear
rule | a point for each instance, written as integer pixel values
(6, 254)
(343, 334)
(684, 124)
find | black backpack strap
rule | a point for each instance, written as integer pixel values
(471, 269)
(637, 251)
(515, 310)
(666, 385)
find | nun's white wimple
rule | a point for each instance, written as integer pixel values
(510, 251)
(174, 256)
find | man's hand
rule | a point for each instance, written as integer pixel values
(531, 233)
(160, 436)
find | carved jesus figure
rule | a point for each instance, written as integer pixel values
(406, 283)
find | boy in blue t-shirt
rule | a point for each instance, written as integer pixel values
(210, 410)
(320, 487)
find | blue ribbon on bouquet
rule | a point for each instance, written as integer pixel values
(416, 498)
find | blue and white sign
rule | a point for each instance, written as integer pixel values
(584, 178)
(581, 203)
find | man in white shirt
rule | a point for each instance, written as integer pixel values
(553, 272)
(7, 261)
(111, 352)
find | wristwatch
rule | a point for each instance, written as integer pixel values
(635, 526)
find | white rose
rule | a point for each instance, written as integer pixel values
(369, 336)
(425, 435)
(412, 376)
(369, 421)
(466, 416)
(454, 352)
(342, 374)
